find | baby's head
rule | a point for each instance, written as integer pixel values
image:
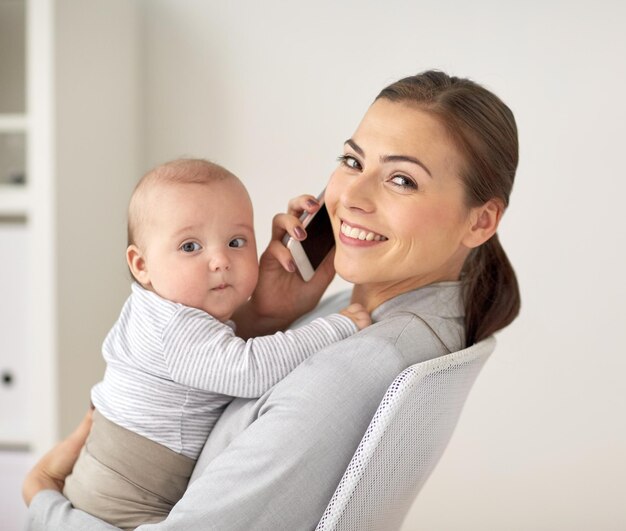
(191, 236)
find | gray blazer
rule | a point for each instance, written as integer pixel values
(274, 463)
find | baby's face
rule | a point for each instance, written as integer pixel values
(199, 246)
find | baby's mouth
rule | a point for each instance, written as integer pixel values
(361, 234)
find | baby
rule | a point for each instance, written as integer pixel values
(173, 359)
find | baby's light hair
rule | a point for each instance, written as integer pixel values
(179, 171)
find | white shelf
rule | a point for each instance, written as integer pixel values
(14, 200)
(13, 123)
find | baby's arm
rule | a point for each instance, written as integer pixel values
(203, 353)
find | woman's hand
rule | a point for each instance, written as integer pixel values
(281, 296)
(52, 469)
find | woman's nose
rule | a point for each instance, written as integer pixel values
(359, 193)
(219, 262)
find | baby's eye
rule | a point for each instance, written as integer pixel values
(237, 242)
(349, 161)
(403, 181)
(190, 247)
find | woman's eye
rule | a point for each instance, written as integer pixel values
(237, 242)
(190, 247)
(350, 162)
(403, 182)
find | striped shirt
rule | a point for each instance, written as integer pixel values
(172, 369)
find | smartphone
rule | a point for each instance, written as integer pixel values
(310, 253)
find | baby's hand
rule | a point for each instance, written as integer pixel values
(358, 314)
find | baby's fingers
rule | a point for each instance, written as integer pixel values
(358, 314)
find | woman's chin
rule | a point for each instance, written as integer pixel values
(352, 274)
(347, 278)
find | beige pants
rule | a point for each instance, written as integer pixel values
(124, 478)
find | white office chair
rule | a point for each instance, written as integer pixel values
(404, 441)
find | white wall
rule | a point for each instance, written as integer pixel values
(271, 89)
(96, 155)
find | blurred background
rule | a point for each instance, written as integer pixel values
(94, 93)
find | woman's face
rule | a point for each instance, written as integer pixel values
(396, 201)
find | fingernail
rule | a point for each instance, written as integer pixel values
(291, 266)
(300, 234)
(312, 202)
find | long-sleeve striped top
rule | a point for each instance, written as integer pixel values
(172, 369)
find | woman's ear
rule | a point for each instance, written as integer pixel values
(484, 221)
(137, 265)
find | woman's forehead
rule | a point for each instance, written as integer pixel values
(398, 128)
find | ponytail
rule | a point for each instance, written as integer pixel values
(490, 291)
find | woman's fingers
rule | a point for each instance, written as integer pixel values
(76, 439)
(290, 222)
(286, 223)
(302, 203)
(280, 253)
(59, 466)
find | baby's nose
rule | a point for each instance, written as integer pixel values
(219, 262)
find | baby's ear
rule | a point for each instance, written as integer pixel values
(484, 221)
(137, 265)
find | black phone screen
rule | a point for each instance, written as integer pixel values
(320, 239)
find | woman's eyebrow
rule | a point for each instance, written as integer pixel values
(354, 146)
(406, 158)
(390, 158)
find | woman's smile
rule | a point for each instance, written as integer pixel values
(352, 232)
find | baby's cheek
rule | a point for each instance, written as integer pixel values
(251, 279)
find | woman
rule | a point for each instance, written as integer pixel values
(428, 172)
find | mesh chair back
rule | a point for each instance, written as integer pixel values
(404, 441)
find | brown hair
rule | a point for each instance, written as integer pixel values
(484, 130)
(179, 171)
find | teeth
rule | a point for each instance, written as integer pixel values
(359, 234)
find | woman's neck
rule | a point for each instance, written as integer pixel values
(371, 295)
